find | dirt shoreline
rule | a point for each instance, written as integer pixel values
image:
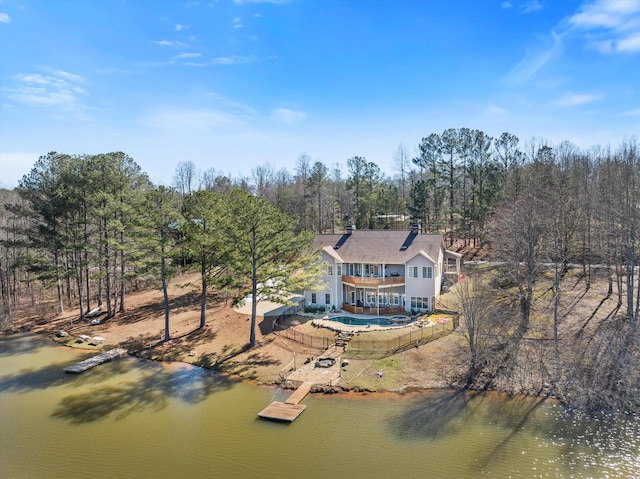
(221, 344)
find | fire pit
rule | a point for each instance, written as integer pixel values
(325, 362)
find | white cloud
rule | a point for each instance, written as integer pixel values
(608, 26)
(495, 110)
(196, 120)
(607, 14)
(218, 113)
(237, 23)
(613, 26)
(232, 60)
(58, 88)
(72, 77)
(162, 43)
(179, 27)
(575, 99)
(277, 2)
(188, 55)
(535, 60)
(4, 18)
(531, 6)
(192, 120)
(629, 44)
(506, 5)
(285, 115)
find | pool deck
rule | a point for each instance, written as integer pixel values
(326, 322)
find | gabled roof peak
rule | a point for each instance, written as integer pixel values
(381, 246)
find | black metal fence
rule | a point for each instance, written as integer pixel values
(306, 339)
(366, 345)
(370, 345)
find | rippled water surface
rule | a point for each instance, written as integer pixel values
(133, 418)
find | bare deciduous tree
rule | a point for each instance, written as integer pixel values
(478, 319)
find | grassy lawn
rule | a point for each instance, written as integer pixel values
(373, 374)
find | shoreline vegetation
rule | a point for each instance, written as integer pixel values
(557, 314)
(440, 364)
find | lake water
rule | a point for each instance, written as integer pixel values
(135, 418)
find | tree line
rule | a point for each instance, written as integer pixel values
(92, 227)
(479, 192)
(559, 208)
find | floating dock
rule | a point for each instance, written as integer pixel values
(290, 409)
(95, 360)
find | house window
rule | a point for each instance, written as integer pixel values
(327, 298)
(419, 303)
(413, 271)
(427, 272)
(371, 299)
(330, 270)
(339, 270)
(313, 298)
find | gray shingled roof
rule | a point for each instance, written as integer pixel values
(380, 246)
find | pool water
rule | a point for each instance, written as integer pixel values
(379, 321)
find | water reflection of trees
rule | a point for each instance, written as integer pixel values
(107, 390)
(439, 414)
(18, 344)
(436, 416)
(432, 416)
(157, 387)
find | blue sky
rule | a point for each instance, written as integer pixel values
(234, 84)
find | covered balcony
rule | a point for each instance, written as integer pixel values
(372, 281)
(374, 299)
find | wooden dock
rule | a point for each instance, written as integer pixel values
(290, 409)
(95, 360)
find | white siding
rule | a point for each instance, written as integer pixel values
(438, 271)
(332, 283)
(420, 287)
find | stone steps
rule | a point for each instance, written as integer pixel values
(343, 338)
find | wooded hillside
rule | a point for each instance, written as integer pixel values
(85, 229)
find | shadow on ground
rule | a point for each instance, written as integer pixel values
(231, 360)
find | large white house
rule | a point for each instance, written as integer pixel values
(382, 272)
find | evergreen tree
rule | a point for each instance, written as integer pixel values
(268, 259)
(162, 225)
(205, 241)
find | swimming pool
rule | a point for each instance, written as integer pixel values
(379, 321)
